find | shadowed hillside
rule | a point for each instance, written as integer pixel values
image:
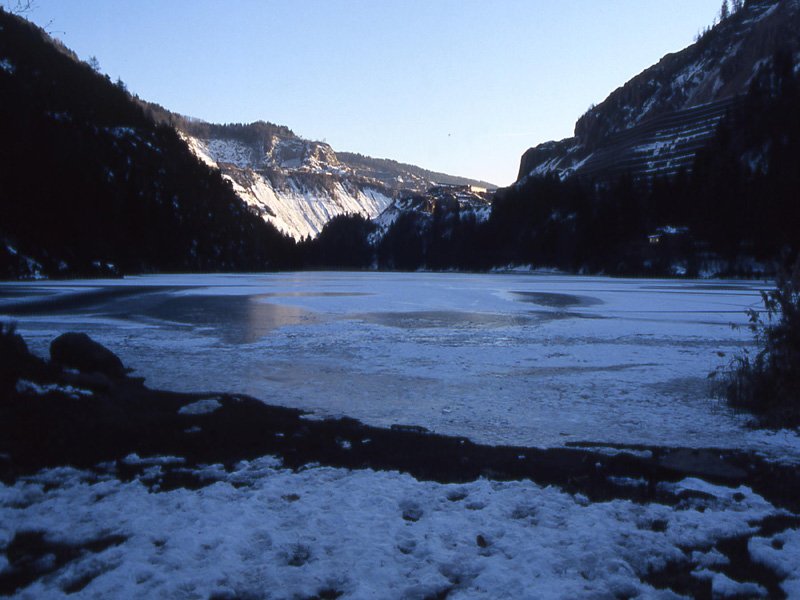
(91, 184)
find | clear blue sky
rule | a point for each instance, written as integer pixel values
(459, 86)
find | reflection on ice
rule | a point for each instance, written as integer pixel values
(234, 319)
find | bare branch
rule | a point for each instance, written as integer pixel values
(20, 7)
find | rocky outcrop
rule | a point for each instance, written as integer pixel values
(295, 184)
(79, 351)
(658, 110)
(449, 201)
(718, 66)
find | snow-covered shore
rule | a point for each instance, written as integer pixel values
(197, 496)
(266, 532)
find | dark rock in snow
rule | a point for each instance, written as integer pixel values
(81, 352)
(701, 463)
(410, 428)
(13, 350)
(16, 362)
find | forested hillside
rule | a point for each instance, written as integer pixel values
(738, 203)
(91, 184)
(734, 212)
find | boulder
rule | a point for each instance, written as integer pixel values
(13, 355)
(79, 351)
(17, 362)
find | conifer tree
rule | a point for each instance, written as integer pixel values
(724, 11)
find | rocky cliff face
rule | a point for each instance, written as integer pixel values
(295, 184)
(299, 185)
(665, 102)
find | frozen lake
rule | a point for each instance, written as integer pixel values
(527, 359)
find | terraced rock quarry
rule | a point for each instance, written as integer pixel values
(661, 146)
(655, 123)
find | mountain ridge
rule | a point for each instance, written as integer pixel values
(95, 182)
(719, 66)
(91, 184)
(299, 185)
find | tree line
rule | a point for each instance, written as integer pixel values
(735, 206)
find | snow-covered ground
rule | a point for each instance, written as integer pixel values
(526, 359)
(265, 532)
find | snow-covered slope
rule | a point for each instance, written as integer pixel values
(453, 201)
(294, 184)
(299, 185)
(655, 123)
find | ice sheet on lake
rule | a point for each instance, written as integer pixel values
(538, 360)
